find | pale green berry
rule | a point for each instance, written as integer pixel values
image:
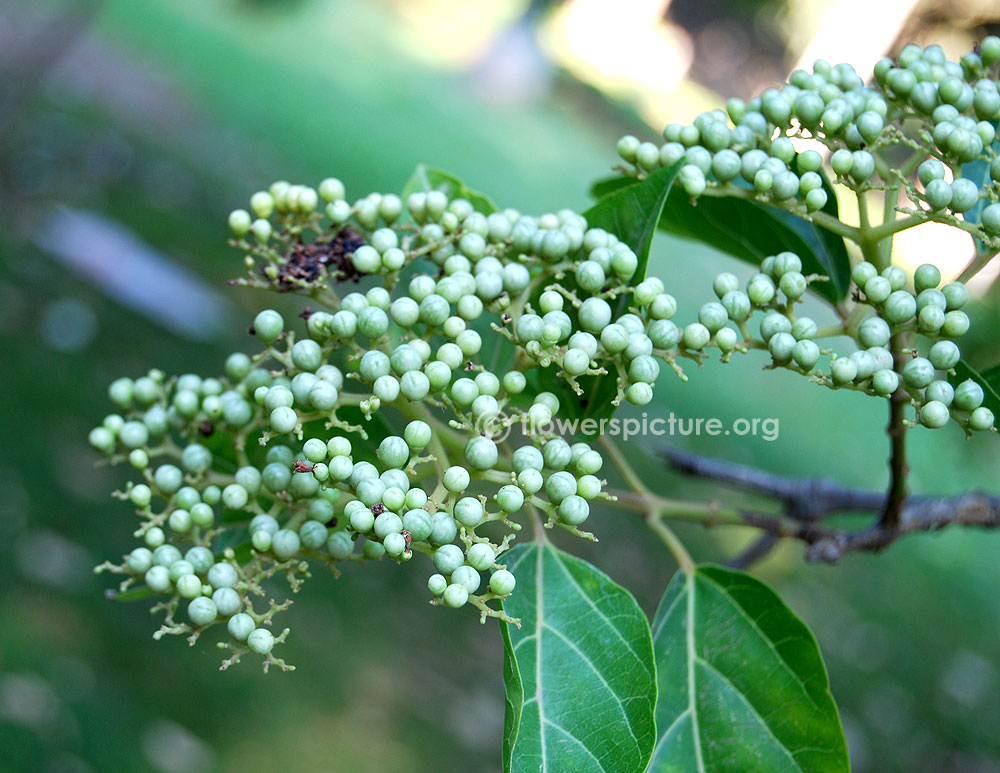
(918, 373)
(268, 326)
(955, 295)
(239, 222)
(885, 382)
(188, 586)
(878, 289)
(394, 544)
(481, 453)
(938, 194)
(574, 510)
(222, 575)
(843, 370)
(696, 336)
(202, 610)
(455, 595)
(981, 419)
(155, 537)
(968, 395)
(456, 479)
(639, 393)
(468, 577)
(502, 582)
(934, 414)
(899, 307)
(806, 354)
(480, 556)
(944, 355)
(559, 486)
(102, 439)
(448, 558)
(862, 272)
(781, 347)
(157, 579)
(241, 626)
(941, 391)
(956, 323)
(761, 290)
(926, 276)
(260, 641)
(436, 584)
(227, 601)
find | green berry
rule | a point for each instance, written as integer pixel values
(456, 479)
(918, 373)
(268, 326)
(956, 323)
(934, 414)
(241, 626)
(480, 556)
(502, 582)
(955, 295)
(455, 595)
(843, 370)
(944, 355)
(202, 610)
(260, 641)
(899, 307)
(981, 419)
(885, 382)
(928, 275)
(968, 395)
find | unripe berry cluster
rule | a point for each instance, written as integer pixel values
(945, 110)
(378, 428)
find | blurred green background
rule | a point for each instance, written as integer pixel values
(127, 132)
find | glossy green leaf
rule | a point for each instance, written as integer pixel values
(742, 685)
(751, 230)
(631, 213)
(426, 179)
(989, 380)
(579, 674)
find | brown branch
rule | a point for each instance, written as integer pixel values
(896, 430)
(808, 501)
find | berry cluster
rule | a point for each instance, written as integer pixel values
(379, 427)
(947, 111)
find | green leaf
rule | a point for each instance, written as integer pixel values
(742, 685)
(631, 212)
(989, 380)
(426, 179)
(132, 594)
(579, 674)
(751, 230)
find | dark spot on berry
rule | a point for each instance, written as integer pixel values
(252, 330)
(306, 313)
(332, 523)
(207, 428)
(505, 318)
(378, 508)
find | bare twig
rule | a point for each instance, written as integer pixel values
(806, 502)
